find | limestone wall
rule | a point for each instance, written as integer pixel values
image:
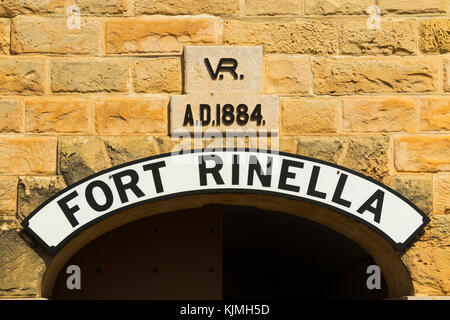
(76, 101)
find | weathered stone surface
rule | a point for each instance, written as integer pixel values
(416, 6)
(284, 144)
(390, 114)
(441, 194)
(21, 268)
(178, 7)
(131, 115)
(102, 7)
(280, 7)
(11, 8)
(9, 222)
(5, 28)
(157, 75)
(21, 75)
(8, 195)
(435, 113)
(422, 153)
(394, 37)
(27, 155)
(427, 259)
(447, 74)
(416, 188)
(329, 149)
(125, 149)
(367, 75)
(33, 191)
(51, 35)
(158, 35)
(198, 78)
(287, 74)
(11, 116)
(291, 36)
(232, 117)
(80, 157)
(434, 36)
(61, 115)
(369, 156)
(305, 115)
(329, 7)
(89, 76)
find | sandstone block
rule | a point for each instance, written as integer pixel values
(291, 36)
(201, 75)
(11, 115)
(332, 7)
(379, 115)
(131, 115)
(300, 116)
(8, 196)
(33, 191)
(179, 7)
(416, 188)
(369, 156)
(21, 75)
(89, 76)
(80, 157)
(434, 36)
(157, 75)
(57, 115)
(4, 36)
(281, 7)
(287, 74)
(414, 7)
(447, 74)
(427, 258)
(11, 8)
(435, 113)
(329, 149)
(383, 75)
(125, 149)
(394, 37)
(32, 34)
(21, 267)
(27, 155)
(422, 153)
(441, 194)
(158, 35)
(102, 7)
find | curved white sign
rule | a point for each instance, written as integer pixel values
(94, 198)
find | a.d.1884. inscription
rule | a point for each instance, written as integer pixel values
(224, 112)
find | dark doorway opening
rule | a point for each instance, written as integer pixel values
(221, 252)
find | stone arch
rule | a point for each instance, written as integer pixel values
(394, 271)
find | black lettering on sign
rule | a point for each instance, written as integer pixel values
(286, 174)
(69, 212)
(225, 65)
(205, 114)
(188, 117)
(378, 196)
(255, 167)
(313, 183)
(214, 171)
(89, 193)
(338, 192)
(154, 168)
(131, 185)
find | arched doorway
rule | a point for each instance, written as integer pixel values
(230, 252)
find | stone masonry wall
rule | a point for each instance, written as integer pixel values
(73, 102)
